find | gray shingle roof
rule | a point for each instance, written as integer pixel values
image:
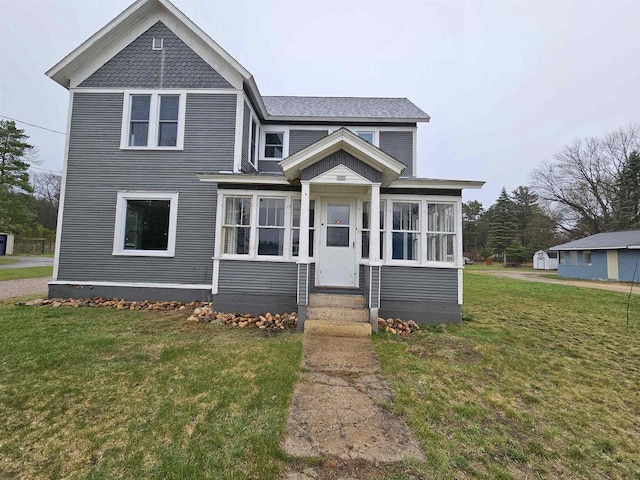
(344, 107)
(609, 240)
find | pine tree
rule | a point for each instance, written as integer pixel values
(627, 198)
(14, 170)
(503, 228)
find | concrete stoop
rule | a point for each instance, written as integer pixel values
(337, 316)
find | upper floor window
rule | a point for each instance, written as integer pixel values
(254, 141)
(274, 145)
(153, 120)
(368, 136)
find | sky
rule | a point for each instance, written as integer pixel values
(507, 84)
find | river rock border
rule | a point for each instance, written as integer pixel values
(200, 312)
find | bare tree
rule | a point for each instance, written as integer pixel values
(46, 190)
(583, 177)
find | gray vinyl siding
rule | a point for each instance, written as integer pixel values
(138, 66)
(303, 283)
(97, 169)
(419, 284)
(400, 146)
(238, 276)
(269, 166)
(299, 139)
(314, 289)
(246, 166)
(341, 158)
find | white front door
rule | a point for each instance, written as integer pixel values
(337, 262)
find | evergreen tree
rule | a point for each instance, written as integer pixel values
(14, 169)
(503, 227)
(627, 198)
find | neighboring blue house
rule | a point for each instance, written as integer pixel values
(182, 181)
(604, 256)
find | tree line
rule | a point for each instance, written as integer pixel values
(590, 186)
(28, 202)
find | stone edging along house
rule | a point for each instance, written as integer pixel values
(182, 182)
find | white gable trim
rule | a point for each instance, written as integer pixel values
(340, 175)
(348, 141)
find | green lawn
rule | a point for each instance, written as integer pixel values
(540, 381)
(101, 394)
(29, 272)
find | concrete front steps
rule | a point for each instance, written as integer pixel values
(337, 316)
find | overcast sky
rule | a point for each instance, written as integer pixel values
(507, 84)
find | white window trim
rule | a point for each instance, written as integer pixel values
(263, 137)
(375, 132)
(253, 234)
(154, 119)
(121, 220)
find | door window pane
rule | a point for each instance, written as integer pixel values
(337, 236)
(338, 213)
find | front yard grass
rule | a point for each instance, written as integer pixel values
(8, 260)
(97, 393)
(29, 272)
(539, 381)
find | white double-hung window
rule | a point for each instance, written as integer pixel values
(153, 120)
(441, 227)
(271, 226)
(236, 225)
(405, 231)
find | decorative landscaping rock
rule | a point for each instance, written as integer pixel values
(201, 312)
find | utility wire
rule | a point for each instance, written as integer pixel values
(32, 125)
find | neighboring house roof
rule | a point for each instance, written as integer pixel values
(344, 107)
(76, 67)
(604, 241)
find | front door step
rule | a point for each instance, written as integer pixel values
(337, 328)
(337, 315)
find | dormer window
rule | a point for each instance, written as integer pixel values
(274, 145)
(153, 121)
(368, 136)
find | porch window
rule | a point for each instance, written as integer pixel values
(295, 227)
(366, 228)
(236, 228)
(271, 226)
(273, 145)
(405, 233)
(441, 221)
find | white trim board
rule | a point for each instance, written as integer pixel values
(183, 286)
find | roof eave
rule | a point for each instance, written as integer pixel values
(437, 183)
(289, 118)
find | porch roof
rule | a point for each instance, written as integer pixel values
(343, 139)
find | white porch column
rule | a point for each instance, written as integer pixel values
(303, 257)
(374, 257)
(374, 225)
(303, 251)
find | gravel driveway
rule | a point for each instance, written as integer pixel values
(27, 286)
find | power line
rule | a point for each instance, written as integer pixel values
(32, 125)
(58, 172)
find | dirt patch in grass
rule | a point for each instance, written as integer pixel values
(337, 469)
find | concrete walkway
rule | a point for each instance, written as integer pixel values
(337, 410)
(538, 277)
(29, 261)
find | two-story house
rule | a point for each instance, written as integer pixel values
(181, 181)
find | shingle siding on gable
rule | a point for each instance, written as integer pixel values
(299, 139)
(341, 158)
(138, 66)
(400, 146)
(97, 169)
